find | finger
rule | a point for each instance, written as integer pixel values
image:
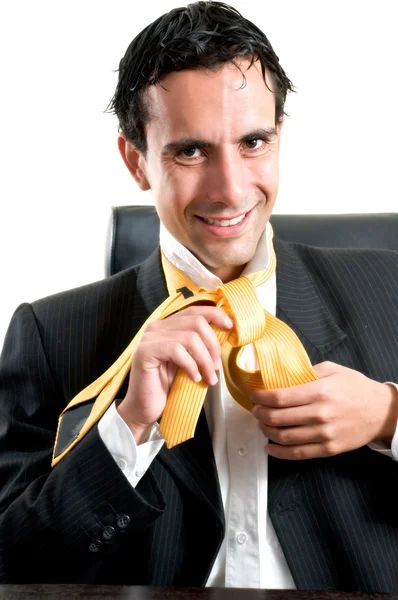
(149, 356)
(174, 348)
(291, 436)
(300, 452)
(187, 331)
(297, 395)
(212, 314)
(307, 414)
(196, 323)
(205, 358)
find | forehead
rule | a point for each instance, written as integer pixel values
(213, 105)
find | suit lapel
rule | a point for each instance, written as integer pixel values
(193, 461)
(151, 288)
(300, 306)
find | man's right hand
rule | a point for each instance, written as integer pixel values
(184, 340)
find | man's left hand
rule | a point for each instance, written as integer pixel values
(341, 411)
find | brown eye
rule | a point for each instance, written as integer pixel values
(190, 153)
(254, 144)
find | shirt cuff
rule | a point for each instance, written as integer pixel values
(393, 451)
(131, 459)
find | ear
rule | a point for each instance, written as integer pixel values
(134, 161)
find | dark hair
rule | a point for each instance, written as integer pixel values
(201, 35)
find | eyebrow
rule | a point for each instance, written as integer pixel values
(184, 143)
(262, 133)
(187, 142)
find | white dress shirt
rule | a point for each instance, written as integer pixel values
(250, 555)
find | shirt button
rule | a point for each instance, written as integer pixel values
(241, 538)
(121, 463)
(139, 472)
(242, 451)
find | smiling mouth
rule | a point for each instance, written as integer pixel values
(223, 222)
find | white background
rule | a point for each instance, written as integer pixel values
(60, 168)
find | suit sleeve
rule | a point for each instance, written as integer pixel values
(56, 525)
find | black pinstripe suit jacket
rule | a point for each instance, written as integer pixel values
(336, 518)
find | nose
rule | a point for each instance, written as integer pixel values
(227, 179)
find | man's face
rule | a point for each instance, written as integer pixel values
(212, 161)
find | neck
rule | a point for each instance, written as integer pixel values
(227, 274)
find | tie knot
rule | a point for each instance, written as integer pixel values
(245, 310)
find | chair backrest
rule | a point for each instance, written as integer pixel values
(134, 233)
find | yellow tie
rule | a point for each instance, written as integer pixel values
(282, 359)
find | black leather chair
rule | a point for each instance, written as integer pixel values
(134, 233)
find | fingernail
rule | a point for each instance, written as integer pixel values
(214, 379)
(228, 322)
(217, 364)
(198, 377)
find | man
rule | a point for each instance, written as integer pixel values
(297, 491)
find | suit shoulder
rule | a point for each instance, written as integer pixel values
(350, 258)
(108, 289)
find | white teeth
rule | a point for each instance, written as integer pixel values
(224, 222)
